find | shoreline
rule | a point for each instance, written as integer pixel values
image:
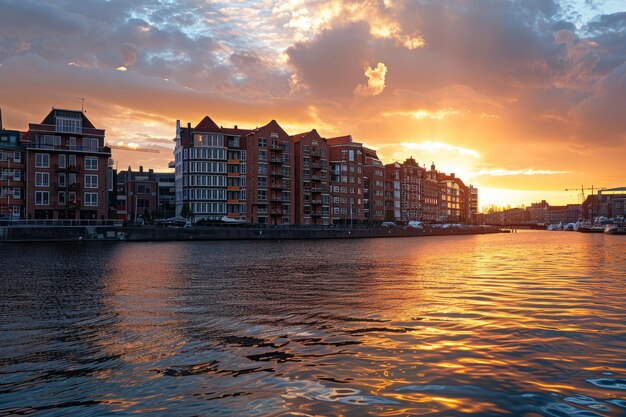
(12, 234)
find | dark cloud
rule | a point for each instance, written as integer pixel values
(334, 63)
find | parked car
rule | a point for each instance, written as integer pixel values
(414, 224)
(388, 224)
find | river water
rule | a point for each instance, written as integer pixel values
(525, 324)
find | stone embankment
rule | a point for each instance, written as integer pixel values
(116, 233)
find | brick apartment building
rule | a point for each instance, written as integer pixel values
(12, 174)
(269, 166)
(67, 163)
(311, 179)
(137, 194)
(373, 186)
(236, 167)
(346, 180)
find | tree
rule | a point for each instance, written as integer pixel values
(186, 211)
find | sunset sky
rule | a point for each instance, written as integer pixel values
(520, 98)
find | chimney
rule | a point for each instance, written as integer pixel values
(140, 168)
(189, 127)
(1, 122)
(177, 129)
(0, 119)
(452, 175)
(151, 171)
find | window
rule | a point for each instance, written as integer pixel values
(262, 143)
(42, 198)
(351, 155)
(61, 198)
(62, 179)
(262, 182)
(42, 160)
(68, 125)
(91, 199)
(91, 163)
(262, 155)
(62, 161)
(91, 181)
(72, 196)
(71, 160)
(42, 179)
(90, 144)
(17, 157)
(262, 195)
(262, 168)
(71, 178)
(71, 143)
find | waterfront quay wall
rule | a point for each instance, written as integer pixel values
(200, 233)
(117, 233)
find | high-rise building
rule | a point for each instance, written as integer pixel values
(67, 164)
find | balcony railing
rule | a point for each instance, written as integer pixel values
(68, 148)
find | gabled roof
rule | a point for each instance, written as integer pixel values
(313, 133)
(207, 125)
(340, 140)
(268, 129)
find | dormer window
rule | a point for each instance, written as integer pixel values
(69, 125)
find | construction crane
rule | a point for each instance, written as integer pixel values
(581, 194)
(132, 148)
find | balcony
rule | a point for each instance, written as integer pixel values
(276, 199)
(72, 148)
(233, 188)
(70, 168)
(232, 201)
(316, 177)
(233, 174)
(233, 162)
(276, 186)
(277, 147)
(73, 204)
(278, 161)
(316, 189)
(316, 213)
(277, 212)
(316, 202)
(276, 173)
(74, 186)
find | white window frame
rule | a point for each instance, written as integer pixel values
(42, 160)
(42, 179)
(42, 198)
(89, 199)
(91, 181)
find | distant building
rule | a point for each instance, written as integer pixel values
(137, 194)
(67, 165)
(166, 194)
(473, 204)
(608, 203)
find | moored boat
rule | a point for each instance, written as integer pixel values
(615, 229)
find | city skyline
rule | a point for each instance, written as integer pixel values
(521, 99)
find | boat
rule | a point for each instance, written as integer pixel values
(596, 228)
(615, 229)
(590, 228)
